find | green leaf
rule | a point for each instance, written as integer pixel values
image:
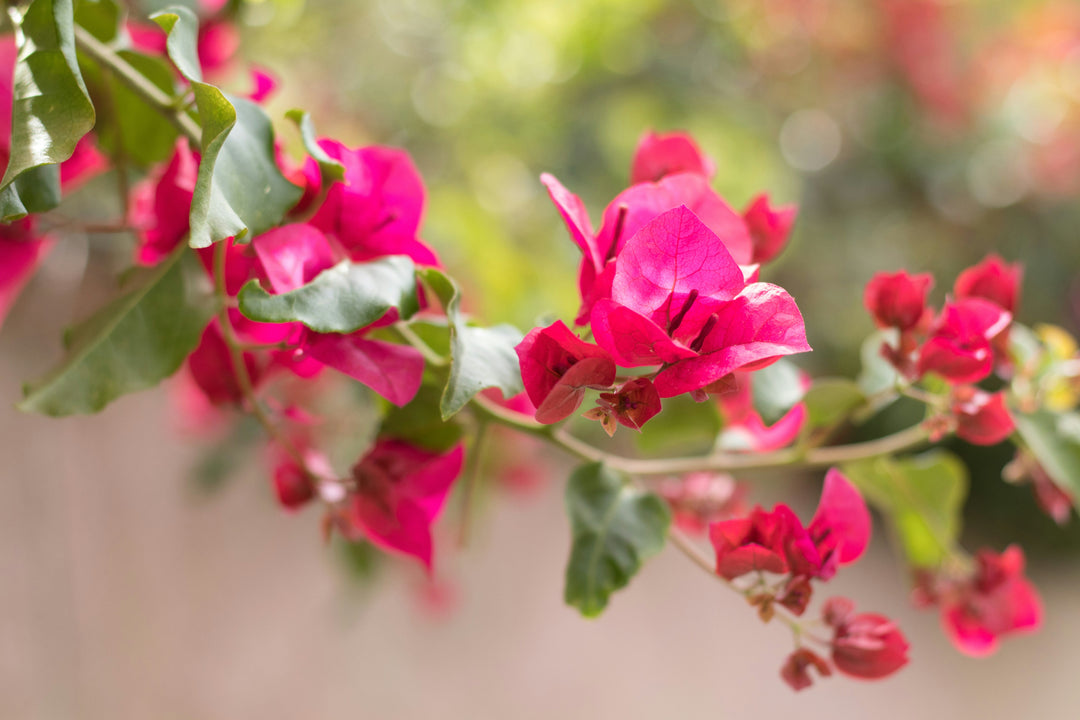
(240, 191)
(133, 343)
(341, 299)
(420, 422)
(776, 389)
(922, 497)
(101, 18)
(831, 400)
(480, 357)
(330, 168)
(51, 110)
(615, 528)
(1051, 438)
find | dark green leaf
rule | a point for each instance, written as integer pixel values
(615, 528)
(341, 299)
(1051, 438)
(480, 357)
(51, 111)
(240, 191)
(776, 389)
(330, 168)
(133, 343)
(831, 400)
(922, 497)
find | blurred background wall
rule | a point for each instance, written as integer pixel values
(912, 133)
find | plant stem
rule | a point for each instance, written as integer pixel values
(243, 378)
(137, 83)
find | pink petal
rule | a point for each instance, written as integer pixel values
(633, 340)
(842, 513)
(674, 254)
(264, 83)
(576, 218)
(393, 371)
(660, 155)
(292, 255)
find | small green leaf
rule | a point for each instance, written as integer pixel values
(615, 528)
(776, 389)
(480, 357)
(922, 497)
(831, 400)
(51, 108)
(1050, 438)
(240, 191)
(330, 168)
(341, 299)
(131, 344)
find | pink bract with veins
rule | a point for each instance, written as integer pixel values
(679, 300)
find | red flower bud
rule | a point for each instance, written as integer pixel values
(959, 347)
(897, 300)
(869, 646)
(769, 227)
(993, 279)
(796, 671)
(660, 155)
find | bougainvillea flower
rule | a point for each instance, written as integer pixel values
(796, 669)
(557, 367)
(400, 490)
(292, 255)
(866, 645)
(21, 252)
(630, 211)
(86, 161)
(770, 227)
(679, 300)
(959, 347)
(161, 206)
(982, 418)
(744, 429)
(997, 601)
(263, 84)
(701, 498)
(377, 210)
(658, 156)
(778, 542)
(897, 299)
(992, 279)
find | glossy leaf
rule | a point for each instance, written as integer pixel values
(51, 109)
(101, 18)
(922, 497)
(131, 344)
(240, 192)
(480, 357)
(831, 400)
(341, 299)
(330, 168)
(615, 528)
(777, 388)
(1054, 445)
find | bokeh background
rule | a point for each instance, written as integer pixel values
(144, 574)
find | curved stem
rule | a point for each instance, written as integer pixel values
(137, 83)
